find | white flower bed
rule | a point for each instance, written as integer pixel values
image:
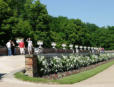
(66, 63)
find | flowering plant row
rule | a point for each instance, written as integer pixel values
(66, 63)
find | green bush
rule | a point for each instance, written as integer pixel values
(66, 63)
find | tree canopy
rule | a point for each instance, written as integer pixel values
(30, 18)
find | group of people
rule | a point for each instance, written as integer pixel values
(11, 47)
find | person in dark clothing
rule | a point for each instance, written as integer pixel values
(13, 48)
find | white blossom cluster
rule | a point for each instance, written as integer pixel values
(66, 63)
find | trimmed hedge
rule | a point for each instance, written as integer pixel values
(53, 65)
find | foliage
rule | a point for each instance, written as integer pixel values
(27, 78)
(25, 18)
(66, 63)
(69, 79)
(29, 18)
(84, 75)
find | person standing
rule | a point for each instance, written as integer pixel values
(8, 45)
(13, 48)
(22, 47)
(30, 46)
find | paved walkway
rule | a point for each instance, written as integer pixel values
(9, 65)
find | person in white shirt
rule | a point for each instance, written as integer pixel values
(8, 45)
(29, 45)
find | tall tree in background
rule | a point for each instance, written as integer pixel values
(5, 14)
(25, 18)
(37, 16)
(29, 18)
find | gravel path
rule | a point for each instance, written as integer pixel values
(12, 64)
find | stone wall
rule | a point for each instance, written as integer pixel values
(3, 51)
(31, 65)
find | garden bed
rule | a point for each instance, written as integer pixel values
(58, 67)
(81, 74)
(68, 73)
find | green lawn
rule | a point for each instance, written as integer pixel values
(69, 79)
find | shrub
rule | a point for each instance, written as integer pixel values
(66, 63)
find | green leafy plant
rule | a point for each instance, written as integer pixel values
(67, 63)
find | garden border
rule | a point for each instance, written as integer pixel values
(72, 72)
(69, 79)
(31, 69)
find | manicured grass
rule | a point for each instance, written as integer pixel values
(69, 79)
(84, 75)
(23, 77)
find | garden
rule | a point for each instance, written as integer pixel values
(56, 65)
(60, 66)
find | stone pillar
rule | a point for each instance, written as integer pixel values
(31, 65)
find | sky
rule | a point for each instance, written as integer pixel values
(99, 12)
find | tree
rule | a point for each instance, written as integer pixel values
(29, 18)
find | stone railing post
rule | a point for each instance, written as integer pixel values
(31, 65)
